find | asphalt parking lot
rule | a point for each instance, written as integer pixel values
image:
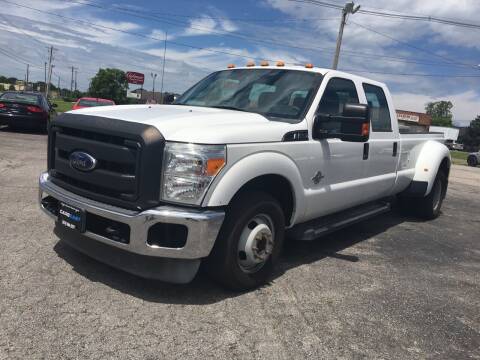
(390, 287)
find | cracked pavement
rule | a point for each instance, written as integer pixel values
(390, 287)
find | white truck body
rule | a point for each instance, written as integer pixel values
(324, 176)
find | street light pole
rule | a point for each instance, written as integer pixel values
(163, 67)
(349, 8)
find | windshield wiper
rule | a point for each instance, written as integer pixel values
(228, 108)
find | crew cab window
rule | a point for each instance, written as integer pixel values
(337, 93)
(379, 111)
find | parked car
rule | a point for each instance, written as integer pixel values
(242, 159)
(27, 110)
(473, 159)
(457, 146)
(90, 102)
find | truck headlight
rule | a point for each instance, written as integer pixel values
(188, 171)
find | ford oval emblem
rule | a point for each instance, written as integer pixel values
(82, 161)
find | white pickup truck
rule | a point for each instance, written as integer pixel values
(243, 159)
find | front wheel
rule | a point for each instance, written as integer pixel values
(249, 243)
(472, 160)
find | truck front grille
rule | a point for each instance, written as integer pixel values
(129, 159)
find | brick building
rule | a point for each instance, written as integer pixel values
(414, 121)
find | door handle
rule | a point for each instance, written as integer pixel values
(395, 149)
(366, 148)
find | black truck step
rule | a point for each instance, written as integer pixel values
(313, 229)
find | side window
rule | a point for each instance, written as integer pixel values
(379, 111)
(337, 93)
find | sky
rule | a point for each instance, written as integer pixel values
(207, 35)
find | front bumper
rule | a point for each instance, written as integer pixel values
(203, 225)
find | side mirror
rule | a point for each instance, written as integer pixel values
(352, 125)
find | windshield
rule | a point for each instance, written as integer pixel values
(20, 98)
(275, 93)
(89, 103)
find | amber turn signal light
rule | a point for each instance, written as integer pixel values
(214, 166)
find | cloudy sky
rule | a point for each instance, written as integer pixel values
(206, 35)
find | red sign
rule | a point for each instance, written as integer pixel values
(135, 78)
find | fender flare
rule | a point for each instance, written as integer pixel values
(431, 156)
(253, 166)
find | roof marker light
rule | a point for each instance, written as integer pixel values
(250, 64)
(231, 66)
(280, 63)
(309, 66)
(264, 63)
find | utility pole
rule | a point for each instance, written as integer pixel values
(71, 81)
(59, 91)
(154, 76)
(50, 67)
(163, 68)
(26, 80)
(45, 83)
(76, 71)
(349, 8)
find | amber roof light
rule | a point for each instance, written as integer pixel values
(250, 64)
(231, 66)
(264, 63)
(309, 66)
(280, 63)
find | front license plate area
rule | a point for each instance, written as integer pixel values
(71, 217)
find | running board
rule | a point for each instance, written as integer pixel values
(315, 228)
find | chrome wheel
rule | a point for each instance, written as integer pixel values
(256, 243)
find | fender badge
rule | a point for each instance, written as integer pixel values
(317, 177)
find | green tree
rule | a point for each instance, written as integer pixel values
(3, 79)
(109, 84)
(441, 112)
(12, 80)
(471, 139)
(2, 88)
(11, 87)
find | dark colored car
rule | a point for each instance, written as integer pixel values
(26, 110)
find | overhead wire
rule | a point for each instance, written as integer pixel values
(271, 42)
(181, 44)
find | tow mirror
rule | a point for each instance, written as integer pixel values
(352, 125)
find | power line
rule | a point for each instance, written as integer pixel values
(396, 15)
(201, 48)
(139, 34)
(359, 10)
(148, 16)
(17, 57)
(452, 61)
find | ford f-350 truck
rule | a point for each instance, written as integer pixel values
(244, 158)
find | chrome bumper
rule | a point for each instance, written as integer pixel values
(203, 225)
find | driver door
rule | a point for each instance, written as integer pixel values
(340, 164)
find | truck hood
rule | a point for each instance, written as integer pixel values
(199, 124)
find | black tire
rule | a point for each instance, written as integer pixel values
(223, 264)
(472, 161)
(429, 207)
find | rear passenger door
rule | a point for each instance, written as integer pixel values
(383, 143)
